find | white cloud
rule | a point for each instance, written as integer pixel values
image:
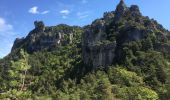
(34, 10)
(65, 12)
(7, 36)
(45, 12)
(6, 46)
(82, 15)
(4, 26)
(84, 1)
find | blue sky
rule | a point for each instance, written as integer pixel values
(17, 16)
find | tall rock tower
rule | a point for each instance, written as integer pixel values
(120, 9)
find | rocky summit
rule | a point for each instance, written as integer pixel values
(103, 39)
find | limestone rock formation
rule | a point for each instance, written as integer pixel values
(97, 51)
(99, 55)
(103, 40)
(39, 26)
(45, 38)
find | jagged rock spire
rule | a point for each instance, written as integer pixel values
(120, 9)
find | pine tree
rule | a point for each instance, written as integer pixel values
(18, 79)
(19, 72)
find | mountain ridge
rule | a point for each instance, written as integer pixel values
(108, 16)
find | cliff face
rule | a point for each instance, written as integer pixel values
(104, 39)
(97, 51)
(45, 38)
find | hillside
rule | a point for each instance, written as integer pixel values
(121, 56)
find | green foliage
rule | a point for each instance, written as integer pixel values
(121, 76)
(152, 65)
(52, 67)
(147, 44)
(168, 90)
(167, 95)
(18, 72)
(19, 79)
(94, 86)
(136, 93)
(59, 74)
(99, 86)
(15, 95)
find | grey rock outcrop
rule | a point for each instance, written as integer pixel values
(39, 26)
(103, 40)
(99, 55)
(96, 52)
(45, 38)
(108, 16)
(98, 49)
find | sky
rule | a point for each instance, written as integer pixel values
(17, 16)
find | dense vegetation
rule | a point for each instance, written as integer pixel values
(61, 75)
(140, 70)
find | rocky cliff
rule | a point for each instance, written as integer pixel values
(45, 38)
(104, 39)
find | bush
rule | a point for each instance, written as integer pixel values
(123, 77)
(136, 93)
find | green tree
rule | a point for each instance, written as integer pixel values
(147, 44)
(121, 76)
(19, 71)
(19, 79)
(136, 93)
